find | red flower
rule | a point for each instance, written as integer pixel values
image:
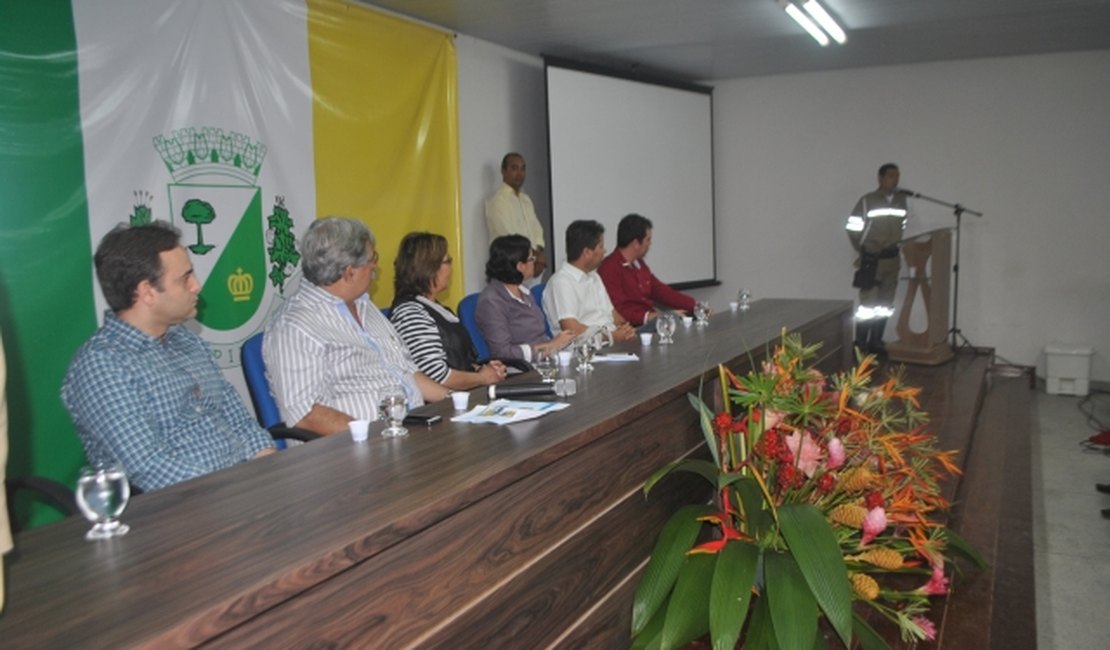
(722, 423)
(874, 500)
(826, 483)
(789, 477)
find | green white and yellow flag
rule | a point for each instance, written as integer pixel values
(239, 122)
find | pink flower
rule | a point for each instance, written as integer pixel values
(836, 453)
(810, 455)
(928, 628)
(937, 585)
(873, 524)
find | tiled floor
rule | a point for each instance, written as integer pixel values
(1071, 540)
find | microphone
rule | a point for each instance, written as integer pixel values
(908, 192)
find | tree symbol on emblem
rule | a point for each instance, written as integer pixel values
(199, 212)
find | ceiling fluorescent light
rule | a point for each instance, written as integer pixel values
(813, 8)
(794, 12)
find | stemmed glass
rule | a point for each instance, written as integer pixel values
(701, 312)
(664, 325)
(744, 298)
(102, 494)
(547, 365)
(393, 408)
(584, 352)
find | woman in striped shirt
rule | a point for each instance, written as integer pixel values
(437, 341)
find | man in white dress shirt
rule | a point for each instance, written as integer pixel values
(330, 353)
(575, 298)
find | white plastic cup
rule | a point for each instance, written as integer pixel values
(687, 321)
(565, 357)
(359, 430)
(461, 400)
(645, 338)
(734, 305)
(565, 387)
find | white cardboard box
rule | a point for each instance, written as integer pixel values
(1067, 369)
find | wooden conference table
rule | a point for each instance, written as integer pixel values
(456, 536)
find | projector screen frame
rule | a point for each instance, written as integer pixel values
(555, 241)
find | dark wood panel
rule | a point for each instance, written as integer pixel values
(210, 554)
(445, 570)
(609, 624)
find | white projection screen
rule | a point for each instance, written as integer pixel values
(619, 146)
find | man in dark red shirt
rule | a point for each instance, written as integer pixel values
(633, 288)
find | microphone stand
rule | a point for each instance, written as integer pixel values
(958, 210)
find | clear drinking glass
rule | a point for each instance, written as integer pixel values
(584, 352)
(701, 312)
(745, 299)
(665, 325)
(102, 494)
(393, 408)
(547, 365)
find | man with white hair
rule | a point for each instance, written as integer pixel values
(329, 352)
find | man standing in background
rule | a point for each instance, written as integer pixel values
(875, 229)
(510, 211)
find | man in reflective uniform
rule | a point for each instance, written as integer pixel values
(875, 228)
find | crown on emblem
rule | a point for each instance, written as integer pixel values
(240, 285)
(191, 152)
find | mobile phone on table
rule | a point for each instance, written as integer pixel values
(419, 418)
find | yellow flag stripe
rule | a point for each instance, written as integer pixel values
(385, 129)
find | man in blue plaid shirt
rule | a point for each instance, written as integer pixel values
(144, 391)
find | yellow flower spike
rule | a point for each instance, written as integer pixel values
(884, 558)
(848, 514)
(865, 586)
(856, 479)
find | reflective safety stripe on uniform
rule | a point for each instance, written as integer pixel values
(855, 224)
(867, 312)
(886, 212)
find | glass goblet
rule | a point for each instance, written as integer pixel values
(547, 365)
(584, 352)
(102, 494)
(701, 313)
(665, 326)
(393, 408)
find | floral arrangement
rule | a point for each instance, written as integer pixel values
(824, 491)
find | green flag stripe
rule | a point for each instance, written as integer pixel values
(46, 305)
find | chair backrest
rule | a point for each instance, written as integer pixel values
(468, 314)
(254, 371)
(537, 295)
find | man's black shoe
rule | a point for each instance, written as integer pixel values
(1106, 513)
(1103, 487)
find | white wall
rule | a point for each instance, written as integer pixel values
(502, 108)
(1026, 140)
(1023, 139)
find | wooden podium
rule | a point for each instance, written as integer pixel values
(928, 259)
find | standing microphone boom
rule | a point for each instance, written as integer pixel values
(908, 193)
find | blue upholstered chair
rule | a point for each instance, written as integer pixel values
(468, 308)
(265, 407)
(537, 295)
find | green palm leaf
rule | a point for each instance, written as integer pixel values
(687, 617)
(813, 544)
(666, 559)
(706, 419)
(868, 638)
(731, 592)
(961, 546)
(703, 468)
(791, 603)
